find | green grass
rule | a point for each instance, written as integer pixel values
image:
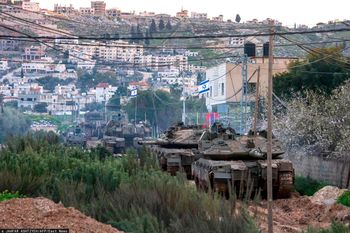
(344, 199)
(307, 186)
(6, 195)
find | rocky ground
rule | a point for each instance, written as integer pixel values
(41, 213)
(298, 213)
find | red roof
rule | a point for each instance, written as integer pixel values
(103, 85)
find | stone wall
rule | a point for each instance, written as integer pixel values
(318, 167)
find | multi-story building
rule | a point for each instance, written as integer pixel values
(86, 11)
(225, 85)
(29, 94)
(30, 6)
(160, 63)
(9, 45)
(182, 14)
(103, 92)
(58, 8)
(113, 13)
(43, 66)
(195, 15)
(219, 18)
(33, 53)
(99, 7)
(147, 14)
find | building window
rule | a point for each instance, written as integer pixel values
(210, 90)
(222, 89)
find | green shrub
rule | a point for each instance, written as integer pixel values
(334, 228)
(6, 195)
(307, 186)
(131, 193)
(344, 199)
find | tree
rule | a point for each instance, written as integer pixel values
(238, 18)
(12, 122)
(40, 107)
(49, 83)
(322, 71)
(139, 34)
(161, 24)
(153, 27)
(168, 25)
(147, 36)
(165, 111)
(133, 34)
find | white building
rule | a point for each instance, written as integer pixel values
(169, 73)
(30, 6)
(87, 11)
(43, 66)
(195, 15)
(4, 66)
(103, 92)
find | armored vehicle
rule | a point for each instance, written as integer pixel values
(76, 137)
(120, 133)
(174, 149)
(237, 163)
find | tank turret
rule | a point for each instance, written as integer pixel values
(237, 163)
(175, 149)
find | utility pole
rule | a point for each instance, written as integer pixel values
(269, 133)
(2, 102)
(257, 95)
(244, 98)
(184, 109)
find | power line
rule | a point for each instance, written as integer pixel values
(193, 37)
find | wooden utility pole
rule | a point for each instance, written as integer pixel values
(257, 94)
(269, 134)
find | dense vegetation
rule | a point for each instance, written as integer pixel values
(13, 122)
(344, 199)
(130, 193)
(322, 71)
(49, 83)
(318, 122)
(307, 186)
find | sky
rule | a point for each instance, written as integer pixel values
(289, 12)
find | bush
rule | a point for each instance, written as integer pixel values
(130, 193)
(307, 186)
(334, 228)
(344, 199)
(6, 195)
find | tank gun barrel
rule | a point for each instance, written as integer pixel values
(149, 142)
(257, 154)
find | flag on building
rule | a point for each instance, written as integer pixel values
(134, 92)
(203, 87)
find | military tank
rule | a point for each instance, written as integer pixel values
(176, 149)
(120, 133)
(231, 163)
(75, 137)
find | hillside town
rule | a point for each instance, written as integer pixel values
(185, 122)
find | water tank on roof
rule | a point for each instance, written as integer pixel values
(266, 49)
(249, 49)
